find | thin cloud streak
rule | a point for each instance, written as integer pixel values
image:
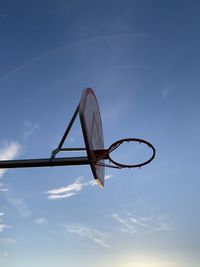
(134, 224)
(126, 225)
(3, 189)
(70, 45)
(53, 197)
(88, 233)
(67, 191)
(71, 189)
(76, 186)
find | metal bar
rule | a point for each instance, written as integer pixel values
(68, 128)
(57, 150)
(73, 149)
(46, 162)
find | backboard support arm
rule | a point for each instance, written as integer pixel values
(52, 161)
(59, 147)
(45, 162)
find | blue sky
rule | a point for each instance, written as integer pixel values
(142, 59)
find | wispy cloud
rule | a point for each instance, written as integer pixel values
(168, 88)
(41, 221)
(67, 191)
(8, 151)
(3, 256)
(19, 205)
(3, 15)
(2, 225)
(93, 182)
(88, 233)
(132, 224)
(30, 128)
(3, 189)
(72, 189)
(126, 225)
(8, 241)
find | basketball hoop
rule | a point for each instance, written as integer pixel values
(105, 154)
(96, 154)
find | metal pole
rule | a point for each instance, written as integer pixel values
(46, 162)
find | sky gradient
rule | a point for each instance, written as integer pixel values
(142, 59)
